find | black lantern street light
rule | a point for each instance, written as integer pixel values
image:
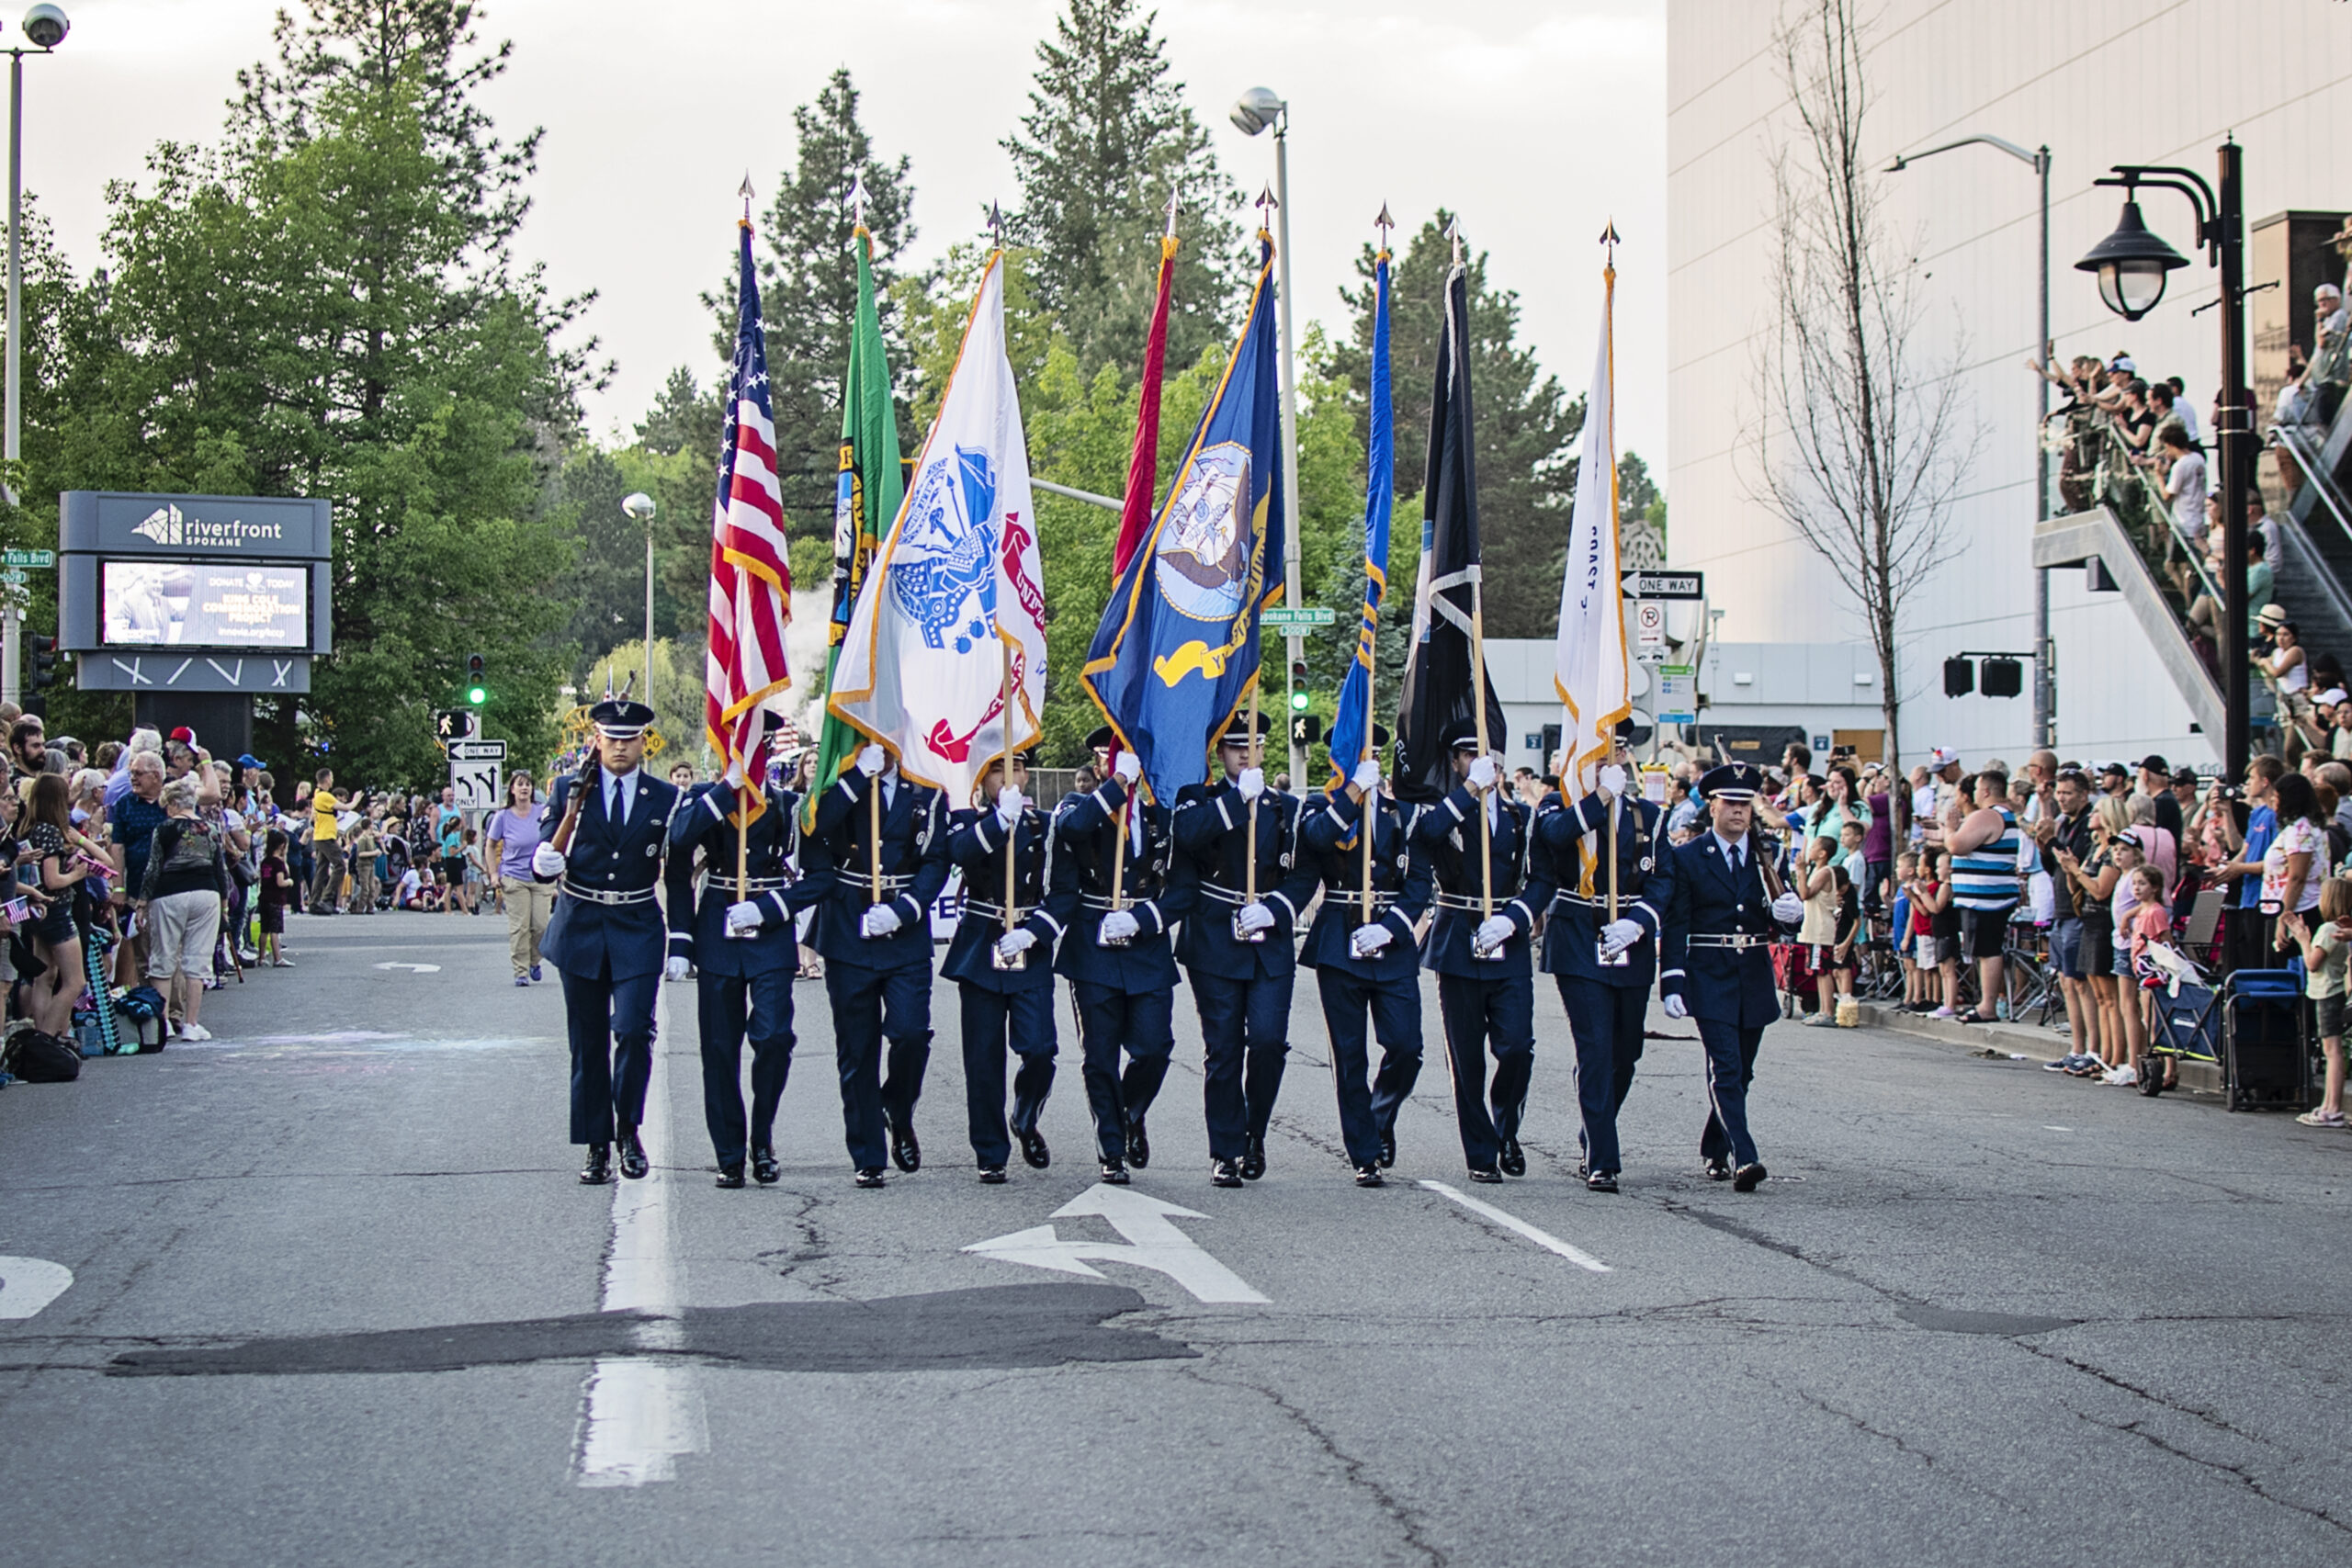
(2133, 263)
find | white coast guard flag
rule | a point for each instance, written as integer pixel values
(1589, 655)
(954, 586)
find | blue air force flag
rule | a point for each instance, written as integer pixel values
(1352, 726)
(1177, 651)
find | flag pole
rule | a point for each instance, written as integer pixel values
(1609, 341)
(743, 836)
(1478, 708)
(1371, 797)
(1012, 834)
(874, 835)
(1258, 760)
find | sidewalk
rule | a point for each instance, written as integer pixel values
(2036, 1045)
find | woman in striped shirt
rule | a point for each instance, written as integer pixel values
(1984, 885)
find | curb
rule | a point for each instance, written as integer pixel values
(2038, 1045)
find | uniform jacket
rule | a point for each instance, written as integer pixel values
(1448, 833)
(1399, 867)
(840, 851)
(703, 821)
(1644, 883)
(976, 843)
(619, 941)
(1212, 829)
(1721, 983)
(1086, 837)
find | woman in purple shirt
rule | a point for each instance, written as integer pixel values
(511, 835)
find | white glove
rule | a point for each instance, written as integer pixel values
(1369, 940)
(1367, 775)
(872, 760)
(1675, 1007)
(1251, 783)
(1788, 907)
(1493, 931)
(676, 968)
(547, 861)
(744, 916)
(1256, 917)
(880, 921)
(1613, 779)
(1016, 941)
(1127, 769)
(1483, 773)
(1008, 807)
(1619, 935)
(1119, 925)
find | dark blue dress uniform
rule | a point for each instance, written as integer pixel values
(607, 942)
(1127, 995)
(1608, 1003)
(1005, 1008)
(743, 984)
(1718, 926)
(1242, 988)
(1386, 986)
(1483, 1001)
(880, 987)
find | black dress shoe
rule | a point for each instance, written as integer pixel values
(1487, 1175)
(1369, 1176)
(1114, 1173)
(1602, 1181)
(1033, 1150)
(599, 1168)
(1387, 1149)
(1224, 1173)
(765, 1170)
(1749, 1178)
(905, 1153)
(1253, 1158)
(870, 1176)
(633, 1162)
(1514, 1159)
(1719, 1170)
(991, 1176)
(1138, 1147)
(729, 1175)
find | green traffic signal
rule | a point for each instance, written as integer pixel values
(1298, 702)
(477, 695)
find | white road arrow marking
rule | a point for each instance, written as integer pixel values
(420, 968)
(1153, 1242)
(28, 1284)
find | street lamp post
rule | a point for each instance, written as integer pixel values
(2045, 683)
(2132, 264)
(45, 29)
(639, 506)
(1254, 112)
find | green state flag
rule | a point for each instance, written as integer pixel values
(871, 485)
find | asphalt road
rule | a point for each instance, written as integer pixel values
(336, 1298)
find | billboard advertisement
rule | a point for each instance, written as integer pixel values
(161, 604)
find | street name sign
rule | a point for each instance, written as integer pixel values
(1287, 619)
(38, 558)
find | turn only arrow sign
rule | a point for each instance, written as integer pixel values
(1153, 1242)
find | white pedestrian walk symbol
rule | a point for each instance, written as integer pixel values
(1153, 1242)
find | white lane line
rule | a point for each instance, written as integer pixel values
(1543, 1239)
(638, 1414)
(2047, 1128)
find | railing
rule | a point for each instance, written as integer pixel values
(2105, 475)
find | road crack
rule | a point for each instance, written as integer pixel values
(2236, 1473)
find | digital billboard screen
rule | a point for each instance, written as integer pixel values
(157, 603)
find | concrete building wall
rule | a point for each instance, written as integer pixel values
(2101, 81)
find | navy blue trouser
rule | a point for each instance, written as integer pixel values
(729, 1006)
(870, 1006)
(1606, 1021)
(1476, 1013)
(994, 1021)
(1143, 1024)
(1244, 1025)
(1731, 1068)
(1367, 1111)
(610, 1026)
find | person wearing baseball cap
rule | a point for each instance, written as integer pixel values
(2155, 781)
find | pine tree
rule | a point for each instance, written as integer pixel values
(1527, 425)
(1106, 141)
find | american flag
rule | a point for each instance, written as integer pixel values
(750, 578)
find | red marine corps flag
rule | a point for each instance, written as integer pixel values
(750, 583)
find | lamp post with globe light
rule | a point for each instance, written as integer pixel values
(2133, 265)
(45, 27)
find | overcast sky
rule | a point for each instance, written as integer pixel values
(1538, 120)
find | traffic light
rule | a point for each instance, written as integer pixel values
(2004, 678)
(454, 724)
(1305, 729)
(476, 690)
(1298, 698)
(1960, 677)
(44, 662)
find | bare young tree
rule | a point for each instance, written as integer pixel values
(1859, 438)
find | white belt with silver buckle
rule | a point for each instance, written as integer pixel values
(1468, 902)
(616, 900)
(1734, 940)
(1380, 900)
